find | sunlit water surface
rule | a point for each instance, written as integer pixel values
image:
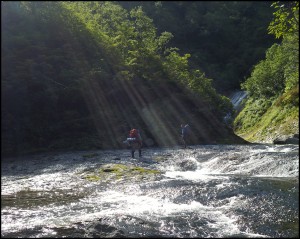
(204, 191)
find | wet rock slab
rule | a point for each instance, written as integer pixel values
(114, 171)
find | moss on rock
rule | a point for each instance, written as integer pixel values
(121, 171)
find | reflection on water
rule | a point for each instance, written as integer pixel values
(206, 191)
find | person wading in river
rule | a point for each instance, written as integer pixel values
(134, 141)
(185, 133)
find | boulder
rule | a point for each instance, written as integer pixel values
(99, 230)
(287, 140)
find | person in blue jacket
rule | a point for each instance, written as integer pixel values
(185, 131)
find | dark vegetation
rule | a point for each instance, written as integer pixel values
(78, 75)
(225, 39)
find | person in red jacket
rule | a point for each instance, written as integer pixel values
(134, 140)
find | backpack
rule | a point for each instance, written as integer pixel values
(133, 133)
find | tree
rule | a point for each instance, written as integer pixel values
(286, 25)
(279, 72)
(286, 19)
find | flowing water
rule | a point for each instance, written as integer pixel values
(237, 97)
(204, 191)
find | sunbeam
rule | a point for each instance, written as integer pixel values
(156, 110)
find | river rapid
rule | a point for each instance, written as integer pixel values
(203, 191)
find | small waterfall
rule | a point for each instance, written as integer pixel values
(237, 98)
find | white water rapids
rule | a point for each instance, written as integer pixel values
(204, 191)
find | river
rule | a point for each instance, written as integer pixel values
(203, 191)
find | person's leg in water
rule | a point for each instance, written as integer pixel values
(132, 148)
(184, 141)
(135, 146)
(140, 150)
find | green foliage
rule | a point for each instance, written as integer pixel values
(267, 78)
(279, 72)
(251, 114)
(202, 86)
(176, 66)
(290, 98)
(286, 19)
(277, 77)
(224, 38)
(262, 121)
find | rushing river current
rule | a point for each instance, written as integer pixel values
(204, 191)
